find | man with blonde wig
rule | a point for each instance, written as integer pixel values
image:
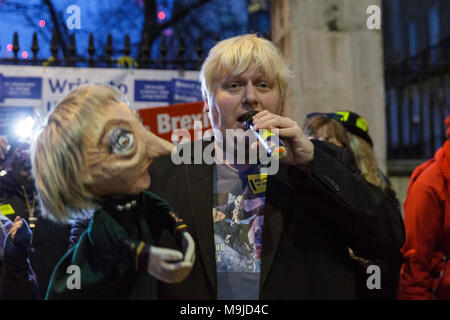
(269, 236)
(94, 154)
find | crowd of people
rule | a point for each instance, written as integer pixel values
(100, 192)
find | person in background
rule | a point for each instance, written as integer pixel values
(5, 227)
(324, 127)
(425, 273)
(18, 198)
(17, 184)
(357, 139)
(350, 130)
(3, 150)
(18, 280)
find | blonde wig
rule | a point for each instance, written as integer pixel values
(234, 55)
(57, 154)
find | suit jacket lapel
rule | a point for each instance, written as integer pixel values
(277, 196)
(200, 188)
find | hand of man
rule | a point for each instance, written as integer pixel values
(300, 149)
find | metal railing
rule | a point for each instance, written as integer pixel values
(169, 58)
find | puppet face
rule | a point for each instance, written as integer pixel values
(118, 152)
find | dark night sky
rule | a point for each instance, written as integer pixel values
(224, 17)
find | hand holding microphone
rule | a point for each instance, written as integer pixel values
(270, 141)
(298, 149)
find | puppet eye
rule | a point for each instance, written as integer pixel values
(121, 141)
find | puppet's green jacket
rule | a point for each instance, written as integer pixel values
(110, 258)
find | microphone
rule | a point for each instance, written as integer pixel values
(270, 141)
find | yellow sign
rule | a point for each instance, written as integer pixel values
(6, 209)
(257, 182)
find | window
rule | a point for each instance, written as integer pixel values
(412, 36)
(433, 29)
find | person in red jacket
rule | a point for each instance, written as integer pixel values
(425, 273)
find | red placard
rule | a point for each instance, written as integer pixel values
(164, 120)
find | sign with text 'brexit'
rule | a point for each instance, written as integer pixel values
(165, 120)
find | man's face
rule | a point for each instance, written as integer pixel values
(119, 153)
(235, 95)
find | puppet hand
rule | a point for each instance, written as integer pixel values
(160, 266)
(188, 247)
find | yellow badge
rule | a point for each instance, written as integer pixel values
(6, 209)
(265, 133)
(257, 182)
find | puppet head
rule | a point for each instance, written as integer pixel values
(93, 146)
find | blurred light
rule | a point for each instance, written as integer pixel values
(9, 47)
(24, 128)
(141, 4)
(168, 32)
(161, 15)
(24, 54)
(3, 173)
(42, 23)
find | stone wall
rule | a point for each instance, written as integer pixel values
(337, 62)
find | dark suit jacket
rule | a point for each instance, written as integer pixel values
(310, 220)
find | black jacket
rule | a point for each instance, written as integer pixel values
(50, 239)
(310, 220)
(18, 280)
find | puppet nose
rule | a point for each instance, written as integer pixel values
(155, 146)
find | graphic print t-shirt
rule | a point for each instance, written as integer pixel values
(239, 199)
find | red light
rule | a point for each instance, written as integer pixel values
(161, 15)
(42, 23)
(24, 54)
(9, 47)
